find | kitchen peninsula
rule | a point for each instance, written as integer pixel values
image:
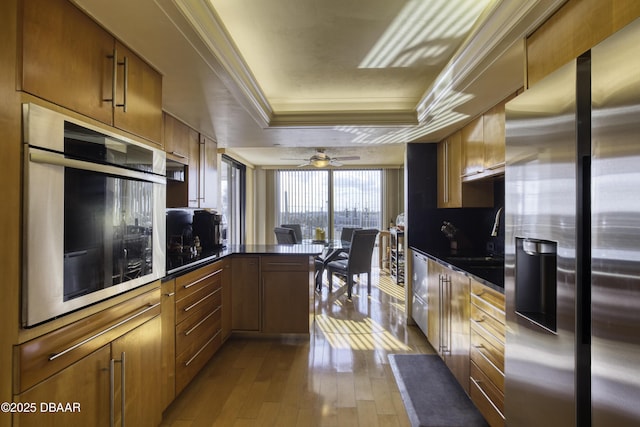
(256, 290)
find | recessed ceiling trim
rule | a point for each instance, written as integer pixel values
(333, 118)
(210, 29)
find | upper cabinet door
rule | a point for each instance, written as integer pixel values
(176, 139)
(70, 60)
(473, 147)
(494, 141)
(449, 169)
(138, 96)
(208, 173)
(66, 58)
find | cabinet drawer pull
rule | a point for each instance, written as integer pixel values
(54, 356)
(201, 322)
(114, 78)
(477, 384)
(125, 63)
(123, 383)
(170, 294)
(200, 300)
(177, 154)
(188, 362)
(286, 264)
(114, 81)
(188, 285)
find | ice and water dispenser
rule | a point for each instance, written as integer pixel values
(536, 281)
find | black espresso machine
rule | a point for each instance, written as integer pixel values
(211, 228)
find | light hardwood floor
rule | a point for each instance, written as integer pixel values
(340, 376)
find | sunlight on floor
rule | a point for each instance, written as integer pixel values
(389, 287)
(365, 334)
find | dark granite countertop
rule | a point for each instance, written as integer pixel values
(178, 264)
(488, 270)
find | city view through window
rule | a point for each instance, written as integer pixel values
(329, 200)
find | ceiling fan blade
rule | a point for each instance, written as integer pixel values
(333, 162)
(347, 158)
(304, 164)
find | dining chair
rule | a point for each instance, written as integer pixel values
(285, 235)
(297, 229)
(347, 232)
(345, 237)
(358, 261)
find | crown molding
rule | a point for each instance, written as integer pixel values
(508, 22)
(221, 49)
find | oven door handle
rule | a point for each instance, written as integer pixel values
(57, 159)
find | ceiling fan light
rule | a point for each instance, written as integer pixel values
(320, 163)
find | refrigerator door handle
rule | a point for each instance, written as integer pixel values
(537, 247)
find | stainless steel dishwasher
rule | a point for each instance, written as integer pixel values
(419, 308)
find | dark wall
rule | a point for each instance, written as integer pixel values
(424, 219)
(422, 193)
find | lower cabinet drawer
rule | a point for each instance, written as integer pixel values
(285, 263)
(196, 330)
(487, 366)
(188, 305)
(491, 348)
(188, 364)
(487, 398)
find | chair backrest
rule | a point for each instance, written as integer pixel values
(297, 231)
(285, 235)
(361, 251)
(347, 232)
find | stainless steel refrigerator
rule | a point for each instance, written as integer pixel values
(572, 242)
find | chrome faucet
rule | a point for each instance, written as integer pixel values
(496, 223)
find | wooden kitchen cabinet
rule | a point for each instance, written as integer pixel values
(494, 138)
(483, 144)
(85, 382)
(227, 302)
(198, 327)
(286, 284)
(138, 353)
(452, 191)
(65, 58)
(472, 136)
(200, 154)
(178, 139)
(68, 59)
(182, 145)
(486, 381)
(245, 312)
(448, 319)
(142, 95)
(168, 316)
(208, 183)
(76, 363)
(449, 171)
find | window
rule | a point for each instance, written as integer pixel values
(303, 198)
(233, 195)
(329, 199)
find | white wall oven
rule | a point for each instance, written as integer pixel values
(94, 214)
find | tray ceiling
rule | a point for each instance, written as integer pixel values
(334, 73)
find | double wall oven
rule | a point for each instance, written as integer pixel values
(93, 214)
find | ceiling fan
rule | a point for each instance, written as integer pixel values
(320, 159)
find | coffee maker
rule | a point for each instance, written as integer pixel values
(211, 228)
